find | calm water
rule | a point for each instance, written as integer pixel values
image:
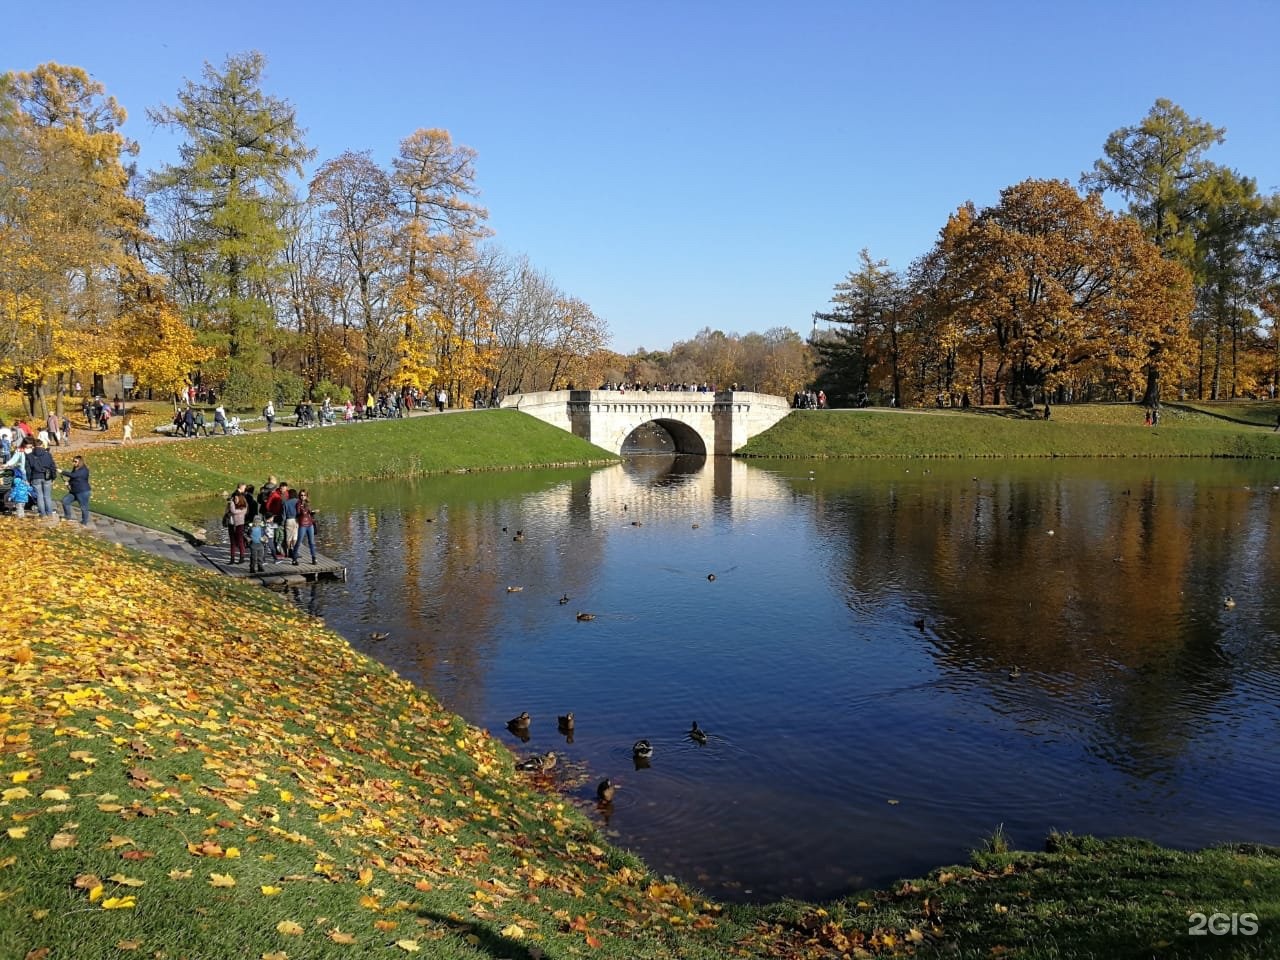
(891, 660)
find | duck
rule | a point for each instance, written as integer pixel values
(605, 791)
(636, 523)
(585, 616)
(1228, 602)
(564, 600)
(697, 734)
(642, 749)
(378, 635)
(519, 537)
(565, 722)
(696, 526)
(521, 722)
(1015, 673)
(538, 764)
(514, 589)
(711, 577)
(919, 623)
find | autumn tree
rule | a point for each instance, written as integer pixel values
(1205, 217)
(67, 224)
(863, 352)
(233, 184)
(1068, 293)
(432, 183)
(354, 197)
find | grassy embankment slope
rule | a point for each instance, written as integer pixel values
(192, 768)
(1085, 430)
(156, 484)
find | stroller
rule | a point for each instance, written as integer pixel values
(233, 427)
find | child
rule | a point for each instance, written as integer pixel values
(257, 545)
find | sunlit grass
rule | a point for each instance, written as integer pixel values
(1084, 430)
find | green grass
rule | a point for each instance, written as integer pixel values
(164, 484)
(1085, 430)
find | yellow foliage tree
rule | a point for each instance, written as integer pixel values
(67, 218)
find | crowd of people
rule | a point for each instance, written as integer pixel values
(275, 520)
(30, 472)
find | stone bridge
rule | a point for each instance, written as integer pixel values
(699, 423)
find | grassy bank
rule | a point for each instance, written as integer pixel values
(155, 484)
(1085, 430)
(193, 768)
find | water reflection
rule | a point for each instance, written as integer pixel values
(889, 660)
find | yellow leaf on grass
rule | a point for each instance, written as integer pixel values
(39, 914)
(285, 796)
(16, 793)
(95, 893)
(337, 936)
(56, 793)
(289, 928)
(21, 776)
(514, 931)
(366, 877)
(120, 903)
(61, 841)
(128, 944)
(221, 880)
(124, 881)
(17, 833)
(409, 946)
(276, 955)
(232, 853)
(386, 926)
(269, 891)
(179, 874)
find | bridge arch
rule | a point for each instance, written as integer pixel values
(686, 439)
(715, 424)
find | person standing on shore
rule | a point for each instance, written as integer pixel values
(306, 528)
(41, 470)
(78, 487)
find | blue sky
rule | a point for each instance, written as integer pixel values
(679, 165)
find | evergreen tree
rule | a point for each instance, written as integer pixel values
(233, 183)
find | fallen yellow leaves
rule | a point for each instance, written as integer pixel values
(289, 928)
(120, 903)
(221, 880)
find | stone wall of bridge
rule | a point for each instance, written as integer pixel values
(712, 424)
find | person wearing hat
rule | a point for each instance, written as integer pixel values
(78, 487)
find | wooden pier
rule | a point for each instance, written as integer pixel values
(277, 572)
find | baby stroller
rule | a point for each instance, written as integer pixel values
(233, 427)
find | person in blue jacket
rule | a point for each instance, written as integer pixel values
(78, 486)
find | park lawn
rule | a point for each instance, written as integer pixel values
(1083, 430)
(169, 484)
(192, 767)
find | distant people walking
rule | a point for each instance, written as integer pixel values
(128, 431)
(52, 422)
(220, 419)
(442, 400)
(78, 487)
(269, 412)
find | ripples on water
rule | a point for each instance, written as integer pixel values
(890, 662)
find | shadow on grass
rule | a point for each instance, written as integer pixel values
(494, 944)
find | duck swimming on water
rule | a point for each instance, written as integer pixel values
(642, 749)
(697, 734)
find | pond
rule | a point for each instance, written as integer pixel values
(892, 660)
